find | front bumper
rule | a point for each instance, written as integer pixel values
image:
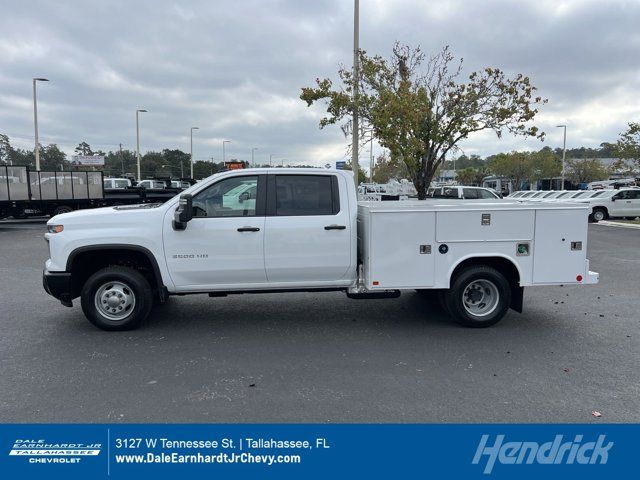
(58, 285)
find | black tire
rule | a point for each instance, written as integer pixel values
(110, 282)
(494, 297)
(599, 214)
(62, 209)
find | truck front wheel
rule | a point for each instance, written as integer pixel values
(479, 297)
(116, 298)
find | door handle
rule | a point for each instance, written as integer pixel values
(248, 229)
(335, 227)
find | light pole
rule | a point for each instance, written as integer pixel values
(356, 78)
(271, 159)
(138, 140)
(35, 120)
(224, 153)
(191, 151)
(564, 151)
(252, 161)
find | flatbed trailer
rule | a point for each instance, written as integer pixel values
(25, 192)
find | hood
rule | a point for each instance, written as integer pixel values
(106, 215)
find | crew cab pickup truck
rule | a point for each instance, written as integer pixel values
(268, 230)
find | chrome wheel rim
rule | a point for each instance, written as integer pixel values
(480, 297)
(115, 300)
(598, 215)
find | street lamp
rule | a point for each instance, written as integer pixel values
(224, 153)
(35, 120)
(138, 140)
(564, 151)
(271, 159)
(355, 154)
(252, 161)
(191, 152)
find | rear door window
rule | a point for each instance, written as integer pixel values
(470, 193)
(297, 195)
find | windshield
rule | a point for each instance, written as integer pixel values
(564, 194)
(548, 195)
(527, 194)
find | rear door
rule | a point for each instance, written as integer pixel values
(307, 229)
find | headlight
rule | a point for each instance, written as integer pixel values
(55, 228)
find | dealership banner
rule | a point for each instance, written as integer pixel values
(123, 451)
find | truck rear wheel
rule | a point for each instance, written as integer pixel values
(116, 298)
(479, 297)
(62, 209)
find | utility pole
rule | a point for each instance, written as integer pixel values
(564, 151)
(356, 79)
(35, 121)
(371, 158)
(224, 152)
(138, 141)
(253, 163)
(121, 160)
(190, 154)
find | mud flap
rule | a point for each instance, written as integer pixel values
(517, 298)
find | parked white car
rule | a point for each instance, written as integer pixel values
(151, 184)
(116, 183)
(613, 203)
(464, 193)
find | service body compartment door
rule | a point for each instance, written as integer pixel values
(554, 260)
(402, 250)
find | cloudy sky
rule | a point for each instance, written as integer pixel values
(235, 68)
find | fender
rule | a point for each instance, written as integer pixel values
(162, 290)
(483, 255)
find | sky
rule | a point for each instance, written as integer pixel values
(235, 69)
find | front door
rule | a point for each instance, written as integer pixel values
(223, 245)
(627, 204)
(308, 230)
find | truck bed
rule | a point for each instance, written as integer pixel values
(419, 244)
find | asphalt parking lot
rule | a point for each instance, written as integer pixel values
(322, 357)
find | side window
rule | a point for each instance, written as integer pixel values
(445, 192)
(232, 197)
(470, 193)
(305, 195)
(486, 194)
(624, 195)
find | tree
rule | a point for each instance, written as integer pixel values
(362, 175)
(6, 150)
(545, 164)
(83, 148)
(466, 176)
(518, 166)
(420, 110)
(585, 171)
(628, 145)
(385, 169)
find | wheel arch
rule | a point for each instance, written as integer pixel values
(85, 260)
(504, 265)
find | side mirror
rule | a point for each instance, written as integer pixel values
(184, 212)
(613, 199)
(244, 196)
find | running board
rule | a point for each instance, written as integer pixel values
(373, 295)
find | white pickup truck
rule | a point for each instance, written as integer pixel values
(303, 230)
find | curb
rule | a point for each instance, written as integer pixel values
(608, 223)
